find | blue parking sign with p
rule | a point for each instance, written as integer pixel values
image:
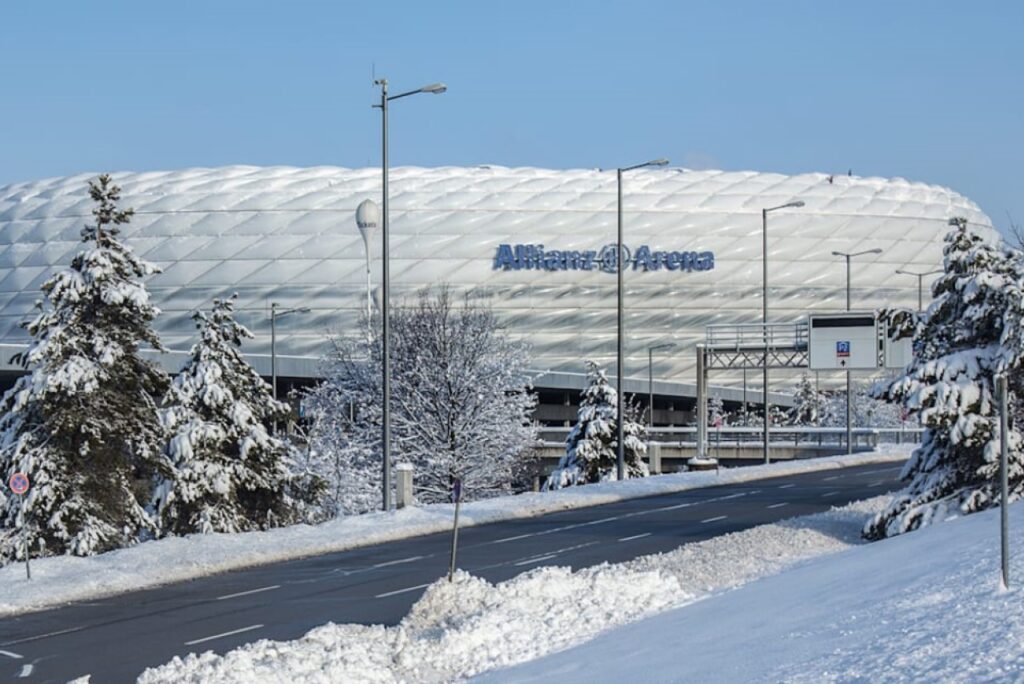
(843, 349)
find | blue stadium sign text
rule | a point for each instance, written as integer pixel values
(535, 257)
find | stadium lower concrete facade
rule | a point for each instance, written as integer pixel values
(533, 243)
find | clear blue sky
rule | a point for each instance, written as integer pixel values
(930, 91)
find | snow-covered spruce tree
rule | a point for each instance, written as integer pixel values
(972, 332)
(808, 404)
(83, 423)
(591, 450)
(222, 470)
(461, 404)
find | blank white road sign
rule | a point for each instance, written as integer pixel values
(847, 341)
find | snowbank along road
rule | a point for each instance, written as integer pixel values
(115, 638)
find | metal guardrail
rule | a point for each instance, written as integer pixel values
(757, 336)
(780, 435)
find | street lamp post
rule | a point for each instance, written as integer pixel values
(849, 391)
(920, 283)
(436, 89)
(275, 313)
(764, 315)
(650, 380)
(620, 266)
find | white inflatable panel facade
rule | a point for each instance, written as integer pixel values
(289, 235)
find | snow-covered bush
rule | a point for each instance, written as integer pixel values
(717, 416)
(867, 409)
(972, 332)
(461, 405)
(754, 417)
(83, 422)
(591, 450)
(222, 470)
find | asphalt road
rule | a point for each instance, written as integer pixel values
(115, 638)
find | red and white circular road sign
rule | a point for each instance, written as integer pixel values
(19, 483)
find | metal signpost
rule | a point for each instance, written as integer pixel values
(457, 500)
(1004, 503)
(19, 485)
(846, 342)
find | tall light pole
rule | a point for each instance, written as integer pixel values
(849, 389)
(367, 218)
(920, 283)
(764, 315)
(436, 89)
(650, 379)
(275, 313)
(620, 267)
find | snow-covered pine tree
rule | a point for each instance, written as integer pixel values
(808, 404)
(222, 470)
(972, 331)
(591, 450)
(83, 422)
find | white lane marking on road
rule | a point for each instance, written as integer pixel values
(225, 634)
(829, 479)
(10, 655)
(672, 508)
(717, 517)
(786, 486)
(754, 491)
(829, 494)
(400, 561)
(518, 536)
(779, 505)
(396, 592)
(538, 559)
(246, 593)
(37, 637)
(604, 520)
(880, 470)
(875, 484)
(26, 670)
(534, 557)
(636, 536)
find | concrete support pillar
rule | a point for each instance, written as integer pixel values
(403, 485)
(702, 403)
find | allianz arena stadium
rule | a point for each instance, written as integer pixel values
(532, 242)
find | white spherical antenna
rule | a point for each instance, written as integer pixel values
(367, 217)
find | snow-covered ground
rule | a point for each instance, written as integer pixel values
(61, 579)
(461, 629)
(923, 607)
